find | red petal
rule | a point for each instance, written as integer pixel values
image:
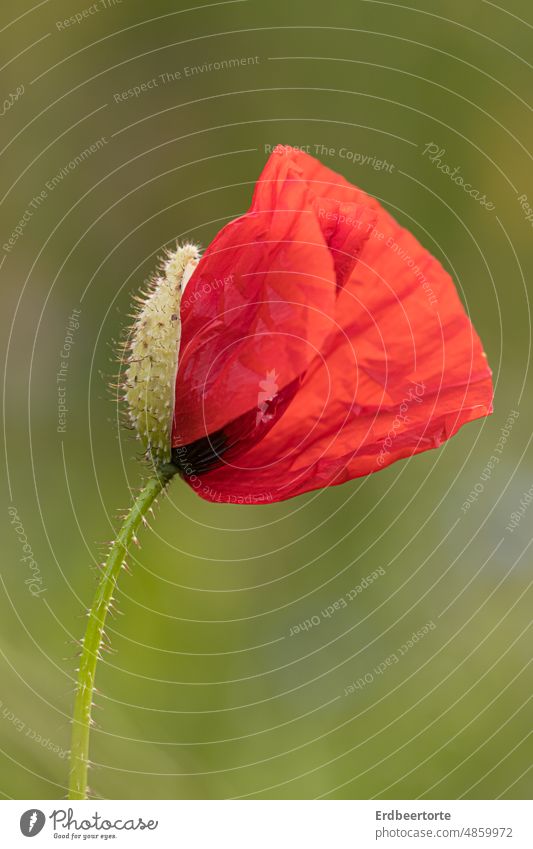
(399, 367)
(262, 299)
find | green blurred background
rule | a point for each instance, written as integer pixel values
(208, 695)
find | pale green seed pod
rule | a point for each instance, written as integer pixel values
(152, 354)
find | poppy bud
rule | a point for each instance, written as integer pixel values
(152, 353)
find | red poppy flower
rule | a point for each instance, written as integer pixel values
(320, 342)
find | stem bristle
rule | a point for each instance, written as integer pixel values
(95, 637)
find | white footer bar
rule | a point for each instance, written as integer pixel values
(268, 824)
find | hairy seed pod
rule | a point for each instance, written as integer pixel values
(152, 354)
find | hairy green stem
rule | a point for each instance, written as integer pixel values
(94, 635)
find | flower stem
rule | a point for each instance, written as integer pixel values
(94, 635)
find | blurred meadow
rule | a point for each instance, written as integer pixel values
(123, 130)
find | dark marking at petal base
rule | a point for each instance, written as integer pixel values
(200, 456)
(235, 439)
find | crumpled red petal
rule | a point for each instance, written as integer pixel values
(336, 346)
